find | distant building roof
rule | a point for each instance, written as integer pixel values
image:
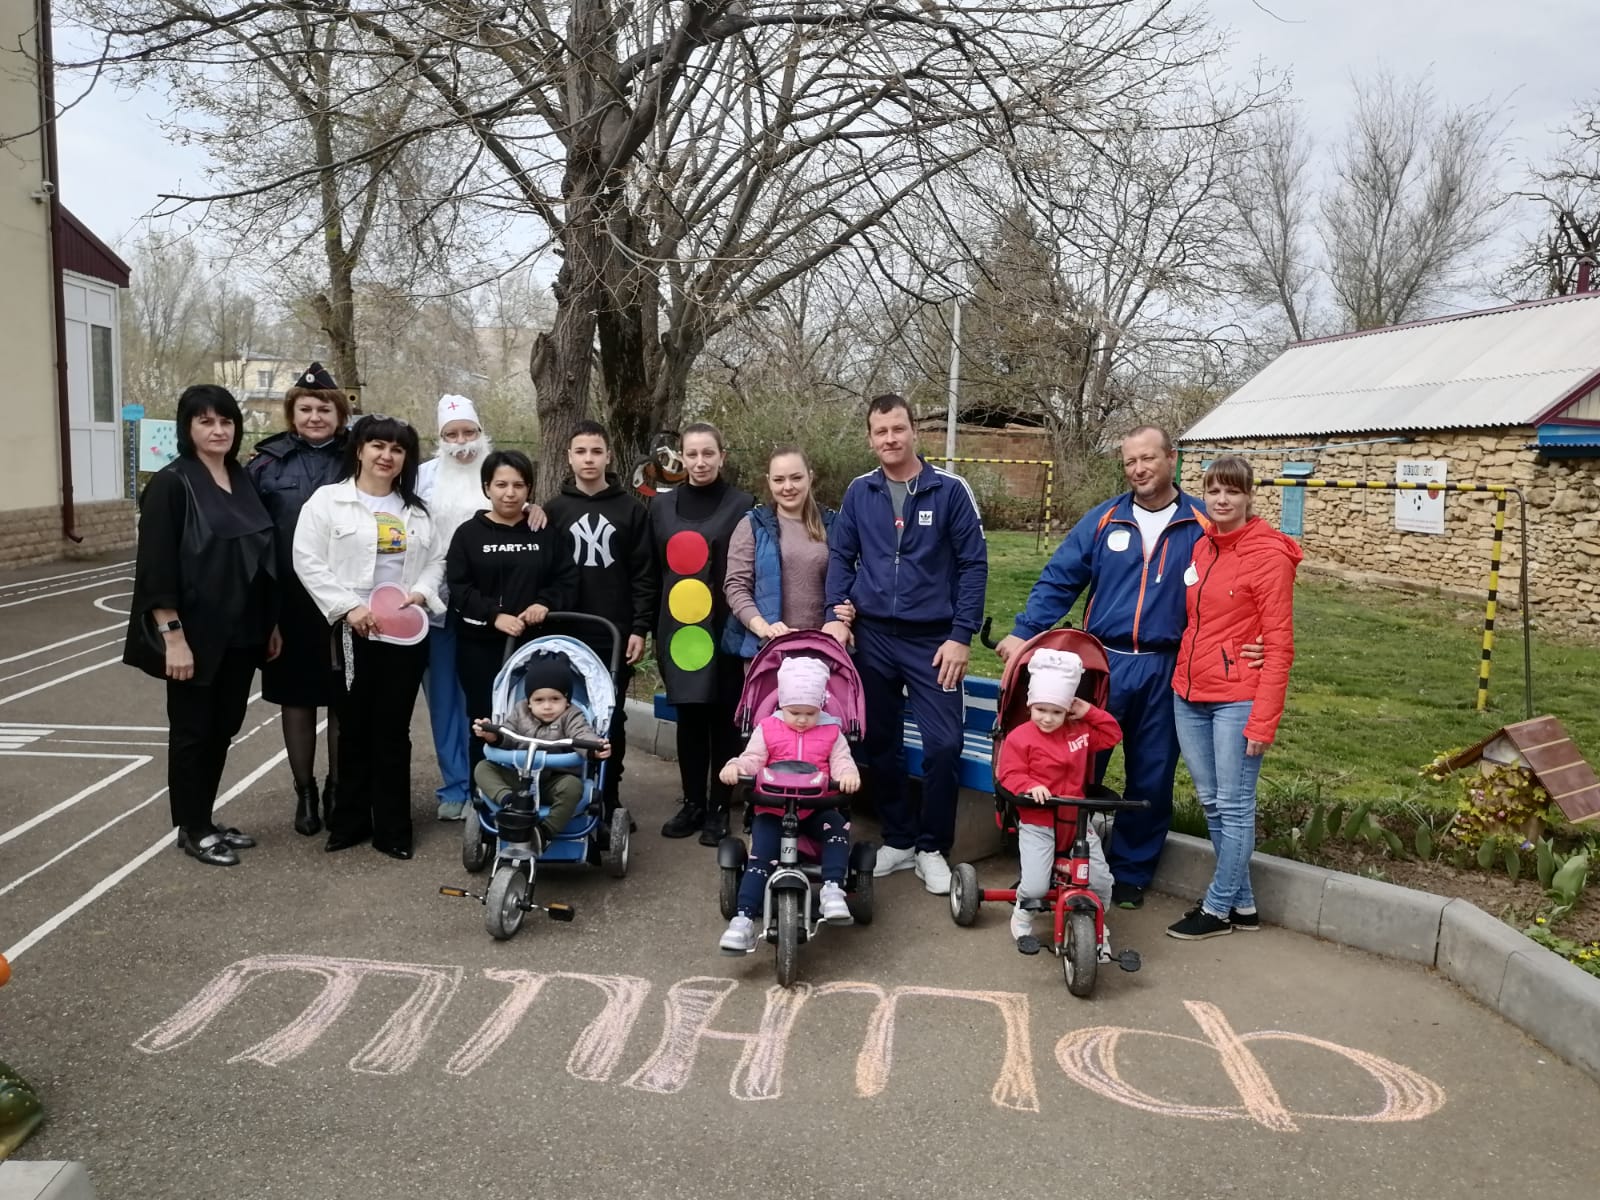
(83, 252)
(1507, 366)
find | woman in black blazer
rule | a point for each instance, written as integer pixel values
(203, 609)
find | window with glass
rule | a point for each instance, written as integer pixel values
(104, 382)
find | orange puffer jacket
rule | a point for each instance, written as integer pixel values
(1240, 588)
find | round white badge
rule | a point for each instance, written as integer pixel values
(1191, 576)
(1117, 540)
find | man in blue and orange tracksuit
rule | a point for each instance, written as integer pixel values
(1130, 553)
(907, 551)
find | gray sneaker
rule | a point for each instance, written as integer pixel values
(739, 937)
(452, 810)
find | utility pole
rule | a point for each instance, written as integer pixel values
(955, 383)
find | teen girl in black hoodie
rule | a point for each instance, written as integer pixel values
(503, 578)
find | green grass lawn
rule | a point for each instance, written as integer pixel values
(1382, 682)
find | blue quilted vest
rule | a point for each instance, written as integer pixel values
(736, 639)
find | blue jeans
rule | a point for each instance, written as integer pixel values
(447, 714)
(1213, 742)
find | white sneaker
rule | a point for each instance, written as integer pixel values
(1105, 946)
(934, 872)
(891, 859)
(1021, 922)
(831, 901)
(740, 937)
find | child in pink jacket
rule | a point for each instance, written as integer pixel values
(794, 732)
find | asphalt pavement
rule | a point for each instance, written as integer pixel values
(311, 1025)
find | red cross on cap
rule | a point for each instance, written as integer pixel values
(454, 406)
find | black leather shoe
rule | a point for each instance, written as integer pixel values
(209, 849)
(238, 839)
(306, 821)
(686, 822)
(715, 828)
(343, 841)
(401, 852)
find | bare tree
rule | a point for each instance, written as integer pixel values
(164, 347)
(689, 160)
(1271, 189)
(1568, 188)
(1414, 201)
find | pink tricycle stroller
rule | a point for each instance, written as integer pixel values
(793, 790)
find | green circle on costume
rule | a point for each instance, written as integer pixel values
(691, 648)
(689, 601)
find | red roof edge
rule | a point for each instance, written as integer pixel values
(1462, 316)
(86, 254)
(1571, 398)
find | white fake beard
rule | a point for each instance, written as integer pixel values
(458, 486)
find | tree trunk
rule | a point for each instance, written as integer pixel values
(335, 307)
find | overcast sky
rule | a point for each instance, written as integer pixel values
(1532, 57)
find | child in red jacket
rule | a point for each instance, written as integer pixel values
(1053, 755)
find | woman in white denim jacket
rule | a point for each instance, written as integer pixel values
(368, 529)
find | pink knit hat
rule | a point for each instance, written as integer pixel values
(802, 681)
(1053, 677)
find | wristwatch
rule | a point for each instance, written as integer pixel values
(171, 626)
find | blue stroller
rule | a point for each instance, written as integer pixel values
(503, 835)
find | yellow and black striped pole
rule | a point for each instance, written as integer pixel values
(1499, 492)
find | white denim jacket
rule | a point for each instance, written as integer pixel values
(335, 552)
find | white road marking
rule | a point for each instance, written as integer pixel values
(22, 879)
(101, 604)
(15, 831)
(39, 687)
(85, 840)
(99, 742)
(30, 584)
(56, 662)
(63, 642)
(82, 587)
(37, 727)
(44, 930)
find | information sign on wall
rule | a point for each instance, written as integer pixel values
(1419, 511)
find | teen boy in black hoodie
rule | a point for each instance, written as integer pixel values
(610, 537)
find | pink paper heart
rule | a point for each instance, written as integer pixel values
(398, 621)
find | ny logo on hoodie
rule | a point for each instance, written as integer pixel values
(591, 540)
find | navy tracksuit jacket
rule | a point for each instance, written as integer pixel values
(911, 593)
(1136, 608)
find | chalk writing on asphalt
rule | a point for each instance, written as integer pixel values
(1099, 1059)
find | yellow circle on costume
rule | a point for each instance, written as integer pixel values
(689, 602)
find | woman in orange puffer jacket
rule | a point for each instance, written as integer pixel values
(1240, 588)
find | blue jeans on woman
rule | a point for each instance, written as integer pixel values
(1211, 736)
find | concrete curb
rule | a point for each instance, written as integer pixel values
(44, 1181)
(1538, 991)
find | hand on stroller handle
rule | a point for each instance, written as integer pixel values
(548, 745)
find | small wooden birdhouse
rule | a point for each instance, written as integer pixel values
(1542, 748)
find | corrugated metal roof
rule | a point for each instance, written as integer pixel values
(1507, 366)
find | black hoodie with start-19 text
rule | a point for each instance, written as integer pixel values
(493, 569)
(609, 534)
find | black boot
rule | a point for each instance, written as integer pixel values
(306, 821)
(686, 822)
(715, 828)
(329, 785)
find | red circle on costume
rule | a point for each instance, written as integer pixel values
(687, 553)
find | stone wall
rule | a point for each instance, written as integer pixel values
(33, 535)
(1353, 533)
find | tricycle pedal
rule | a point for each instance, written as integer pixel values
(1028, 944)
(1129, 961)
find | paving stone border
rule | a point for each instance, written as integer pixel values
(44, 1181)
(1538, 991)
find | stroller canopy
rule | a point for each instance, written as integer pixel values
(759, 697)
(592, 687)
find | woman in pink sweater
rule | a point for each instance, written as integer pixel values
(793, 733)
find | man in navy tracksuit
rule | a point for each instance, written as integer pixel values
(1131, 554)
(907, 550)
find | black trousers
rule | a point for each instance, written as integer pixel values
(374, 794)
(201, 721)
(618, 736)
(707, 738)
(477, 663)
